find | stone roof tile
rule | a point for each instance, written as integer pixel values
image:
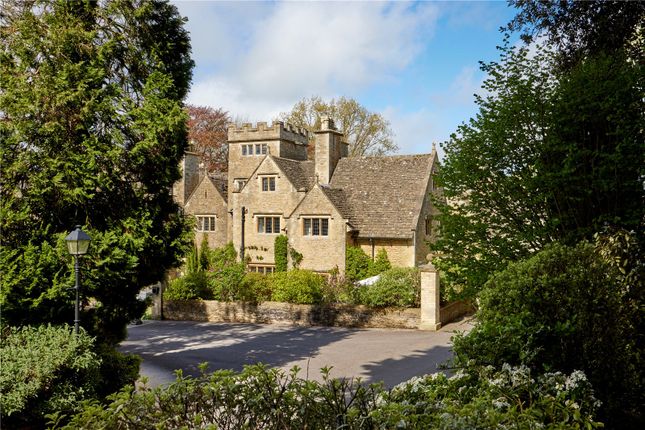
(299, 173)
(383, 194)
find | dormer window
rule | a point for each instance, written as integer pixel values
(268, 183)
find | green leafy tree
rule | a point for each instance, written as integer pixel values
(579, 29)
(367, 133)
(551, 155)
(92, 130)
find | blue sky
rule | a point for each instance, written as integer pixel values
(414, 62)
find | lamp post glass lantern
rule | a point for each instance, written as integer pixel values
(77, 244)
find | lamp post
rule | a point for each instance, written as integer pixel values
(77, 243)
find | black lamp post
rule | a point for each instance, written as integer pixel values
(77, 243)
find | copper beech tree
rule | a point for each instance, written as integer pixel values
(207, 134)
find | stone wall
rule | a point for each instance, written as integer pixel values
(302, 315)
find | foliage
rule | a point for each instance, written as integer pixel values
(357, 264)
(93, 130)
(551, 155)
(223, 256)
(207, 132)
(296, 257)
(117, 370)
(564, 309)
(297, 286)
(579, 29)
(381, 263)
(225, 281)
(485, 398)
(366, 132)
(204, 262)
(400, 286)
(254, 288)
(261, 398)
(280, 251)
(192, 261)
(45, 369)
(194, 285)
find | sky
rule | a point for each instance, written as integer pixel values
(416, 63)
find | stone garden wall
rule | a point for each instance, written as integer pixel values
(305, 315)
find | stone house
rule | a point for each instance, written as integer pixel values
(322, 206)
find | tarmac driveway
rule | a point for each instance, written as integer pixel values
(387, 355)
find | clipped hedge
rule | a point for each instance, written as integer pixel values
(43, 370)
(262, 398)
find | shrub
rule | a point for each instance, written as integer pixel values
(45, 369)
(117, 369)
(280, 249)
(262, 398)
(297, 286)
(225, 281)
(190, 287)
(357, 264)
(381, 263)
(254, 288)
(204, 255)
(560, 310)
(192, 261)
(399, 287)
(223, 256)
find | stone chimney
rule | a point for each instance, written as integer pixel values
(329, 149)
(191, 174)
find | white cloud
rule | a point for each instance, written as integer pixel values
(258, 59)
(415, 132)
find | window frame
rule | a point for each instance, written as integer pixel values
(274, 225)
(270, 183)
(212, 223)
(315, 227)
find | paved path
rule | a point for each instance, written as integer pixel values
(387, 355)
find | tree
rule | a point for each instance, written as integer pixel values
(93, 129)
(551, 155)
(366, 132)
(578, 29)
(207, 132)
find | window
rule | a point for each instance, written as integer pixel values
(248, 149)
(265, 270)
(269, 224)
(205, 222)
(260, 148)
(268, 183)
(315, 227)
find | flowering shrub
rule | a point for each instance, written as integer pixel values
(262, 398)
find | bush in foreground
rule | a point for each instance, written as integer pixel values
(262, 398)
(45, 369)
(564, 309)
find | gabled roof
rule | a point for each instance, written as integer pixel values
(338, 198)
(218, 181)
(383, 195)
(299, 173)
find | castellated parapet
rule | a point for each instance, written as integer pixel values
(262, 132)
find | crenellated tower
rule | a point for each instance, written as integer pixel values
(247, 145)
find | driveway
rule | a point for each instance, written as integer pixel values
(387, 355)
